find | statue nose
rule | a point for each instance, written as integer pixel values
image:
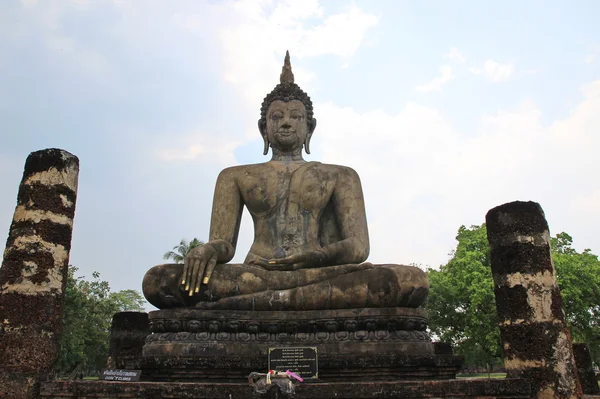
(286, 125)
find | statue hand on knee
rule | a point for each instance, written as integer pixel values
(198, 267)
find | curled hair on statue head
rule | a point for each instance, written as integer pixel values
(286, 91)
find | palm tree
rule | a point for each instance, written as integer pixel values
(180, 251)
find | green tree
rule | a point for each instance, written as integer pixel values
(461, 303)
(89, 308)
(179, 252)
(578, 276)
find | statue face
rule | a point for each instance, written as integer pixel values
(287, 127)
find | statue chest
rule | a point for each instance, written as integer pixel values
(285, 196)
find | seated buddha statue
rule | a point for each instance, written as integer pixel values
(311, 239)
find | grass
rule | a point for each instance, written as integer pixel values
(482, 375)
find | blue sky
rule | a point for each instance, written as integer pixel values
(445, 109)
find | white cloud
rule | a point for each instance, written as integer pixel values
(45, 21)
(495, 71)
(587, 204)
(590, 58)
(456, 56)
(446, 75)
(262, 36)
(339, 34)
(593, 52)
(200, 146)
(423, 178)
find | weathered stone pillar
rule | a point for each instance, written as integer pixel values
(34, 270)
(585, 369)
(443, 348)
(535, 338)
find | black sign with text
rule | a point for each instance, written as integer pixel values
(120, 375)
(301, 360)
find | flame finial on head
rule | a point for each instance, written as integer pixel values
(287, 76)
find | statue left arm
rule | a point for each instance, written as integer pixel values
(224, 228)
(349, 206)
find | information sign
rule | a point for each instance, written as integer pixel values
(301, 360)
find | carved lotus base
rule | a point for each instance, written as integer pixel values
(311, 321)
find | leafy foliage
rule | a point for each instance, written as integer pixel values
(179, 252)
(578, 276)
(461, 303)
(88, 312)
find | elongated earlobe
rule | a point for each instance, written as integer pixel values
(262, 127)
(312, 124)
(307, 143)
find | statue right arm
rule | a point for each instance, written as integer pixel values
(224, 228)
(226, 215)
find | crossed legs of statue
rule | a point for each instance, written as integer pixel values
(250, 287)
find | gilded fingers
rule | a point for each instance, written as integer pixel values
(210, 267)
(198, 267)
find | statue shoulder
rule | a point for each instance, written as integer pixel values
(341, 171)
(239, 170)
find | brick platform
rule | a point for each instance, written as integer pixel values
(464, 388)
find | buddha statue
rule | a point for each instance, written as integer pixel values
(311, 238)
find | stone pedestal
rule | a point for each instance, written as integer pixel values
(358, 344)
(452, 389)
(128, 333)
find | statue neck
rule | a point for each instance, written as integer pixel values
(287, 156)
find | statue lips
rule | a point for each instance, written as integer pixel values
(286, 137)
(285, 133)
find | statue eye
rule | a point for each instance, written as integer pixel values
(297, 116)
(276, 116)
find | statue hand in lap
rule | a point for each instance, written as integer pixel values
(294, 262)
(310, 227)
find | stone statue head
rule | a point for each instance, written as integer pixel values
(287, 100)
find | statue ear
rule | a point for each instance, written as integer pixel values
(312, 124)
(262, 127)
